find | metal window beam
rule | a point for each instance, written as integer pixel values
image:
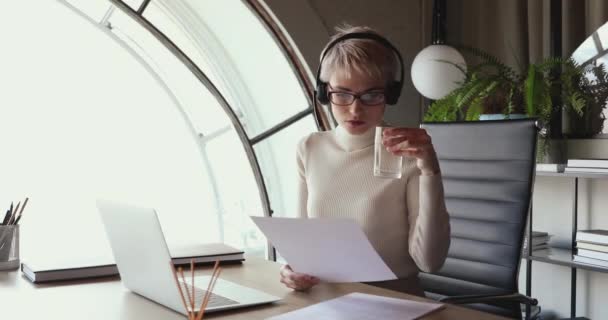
(322, 118)
(289, 121)
(142, 7)
(202, 77)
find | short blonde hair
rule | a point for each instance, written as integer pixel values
(364, 56)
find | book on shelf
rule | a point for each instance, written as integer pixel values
(542, 246)
(588, 163)
(536, 242)
(585, 170)
(591, 261)
(206, 253)
(592, 254)
(550, 167)
(536, 234)
(592, 246)
(92, 267)
(540, 241)
(596, 236)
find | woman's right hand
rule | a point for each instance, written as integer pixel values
(297, 281)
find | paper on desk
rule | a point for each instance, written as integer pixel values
(333, 250)
(359, 306)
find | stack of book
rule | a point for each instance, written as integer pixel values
(592, 247)
(587, 165)
(550, 167)
(540, 241)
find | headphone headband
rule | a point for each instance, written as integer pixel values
(393, 89)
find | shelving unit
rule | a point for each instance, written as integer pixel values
(562, 257)
(559, 256)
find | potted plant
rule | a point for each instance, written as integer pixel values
(582, 92)
(585, 90)
(493, 90)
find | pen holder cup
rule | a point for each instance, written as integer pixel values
(9, 247)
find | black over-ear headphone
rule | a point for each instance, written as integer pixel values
(393, 89)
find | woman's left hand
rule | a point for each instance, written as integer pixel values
(412, 142)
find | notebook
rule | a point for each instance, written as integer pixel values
(92, 267)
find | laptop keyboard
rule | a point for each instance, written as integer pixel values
(215, 300)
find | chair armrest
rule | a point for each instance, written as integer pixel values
(486, 298)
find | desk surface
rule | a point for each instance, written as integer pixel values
(108, 299)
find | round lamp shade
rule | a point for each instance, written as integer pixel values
(433, 77)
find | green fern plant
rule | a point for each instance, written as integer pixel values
(493, 87)
(488, 86)
(584, 92)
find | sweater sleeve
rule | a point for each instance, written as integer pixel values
(429, 231)
(302, 187)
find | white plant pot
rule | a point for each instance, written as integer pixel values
(500, 116)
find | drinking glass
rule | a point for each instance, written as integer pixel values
(386, 165)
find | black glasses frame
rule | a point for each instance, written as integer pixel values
(355, 96)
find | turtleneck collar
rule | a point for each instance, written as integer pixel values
(351, 142)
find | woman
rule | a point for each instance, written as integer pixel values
(405, 219)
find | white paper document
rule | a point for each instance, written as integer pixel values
(333, 250)
(359, 306)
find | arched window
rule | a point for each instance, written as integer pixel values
(190, 107)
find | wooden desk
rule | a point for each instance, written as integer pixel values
(108, 299)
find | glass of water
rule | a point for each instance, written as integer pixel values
(386, 165)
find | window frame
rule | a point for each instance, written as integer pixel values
(322, 119)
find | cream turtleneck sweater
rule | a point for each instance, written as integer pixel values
(405, 219)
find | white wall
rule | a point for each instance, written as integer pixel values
(310, 24)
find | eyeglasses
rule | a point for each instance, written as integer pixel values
(372, 98)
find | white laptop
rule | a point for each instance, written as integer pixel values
(143, 261)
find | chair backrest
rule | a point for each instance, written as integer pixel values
(488, 173)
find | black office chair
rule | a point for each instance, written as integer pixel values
(488, 173)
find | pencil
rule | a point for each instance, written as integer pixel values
(10, 213)
(16, 211)
(206, 297)
(6, 217)
(14, 214)
(208, 292)
(193, 296)
(17, 216)
(24, 204)
(181, 273)
(179, 287)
